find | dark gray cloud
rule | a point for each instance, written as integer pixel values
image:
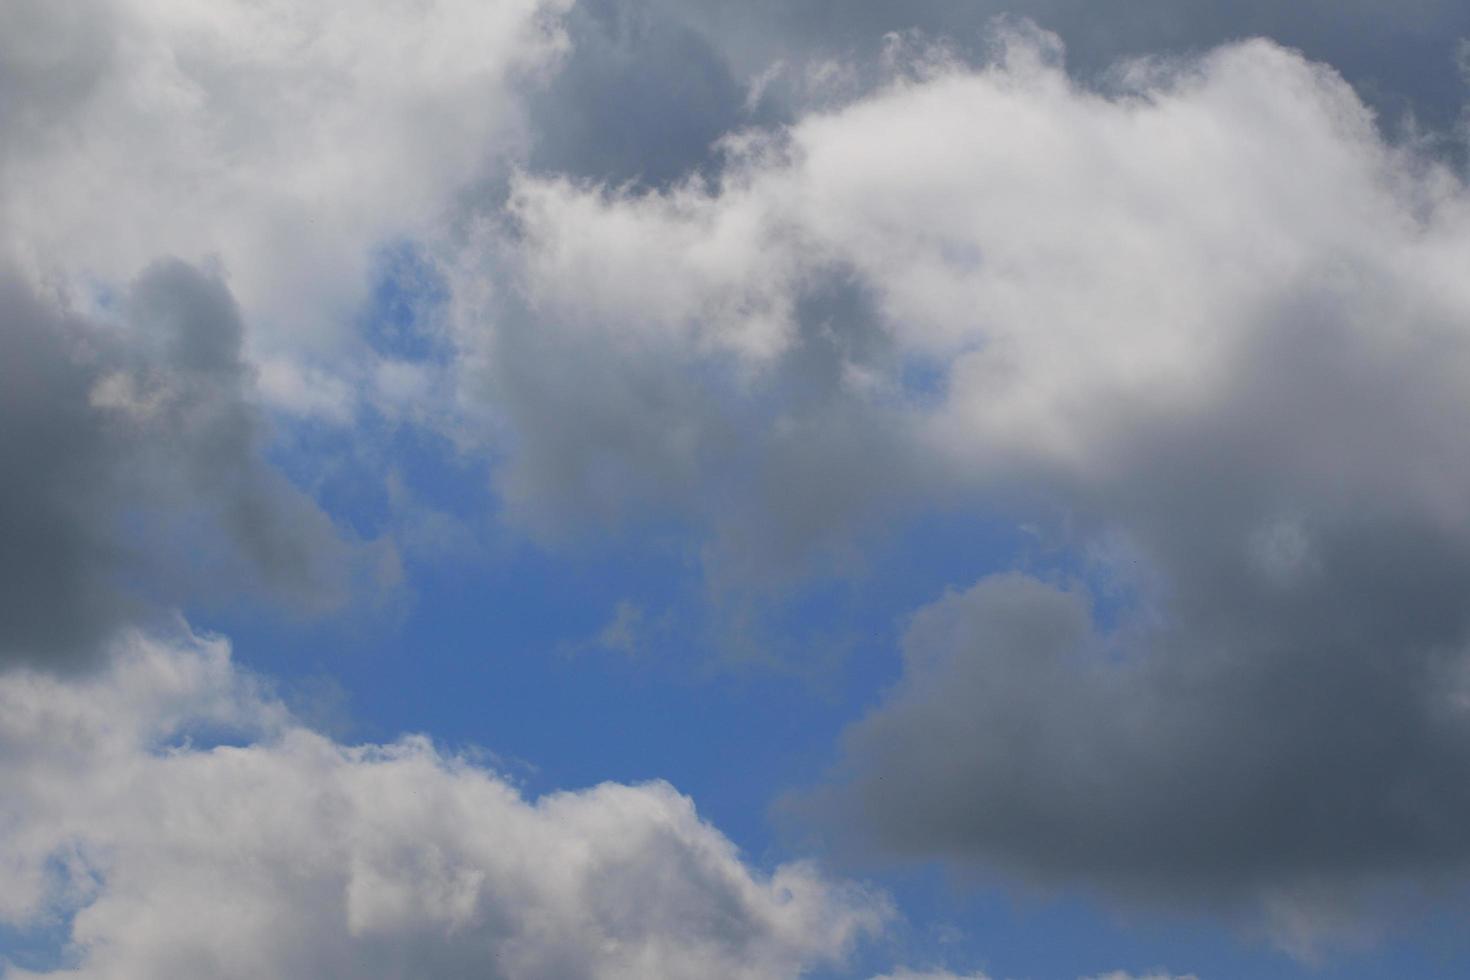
(1182, 764)
(1265, 691)
(649, 86)
(1400, 55)
(134, 475)
(640, 97)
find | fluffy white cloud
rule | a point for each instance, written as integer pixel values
(1205, 328)
(286, 140)
(189, 827)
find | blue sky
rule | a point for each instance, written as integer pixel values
(608, 489)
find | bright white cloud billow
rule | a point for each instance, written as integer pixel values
(1205, 328)
(1065, 259)
(193, 828)
(285, 140)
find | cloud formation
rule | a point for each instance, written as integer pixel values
(1176, 761)
(1196, 321)
(194, 198)
(288, 142)
(1402, 55)
(1203, 328)
(135, 476)
(175, 820)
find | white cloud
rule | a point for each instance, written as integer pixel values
(194, 828)
(1205, 324)
(1067, 259)
(284, 140)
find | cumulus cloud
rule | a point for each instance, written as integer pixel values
(656, 362)
(1203, 328)
(135, 478)
(173, 820)
(287, 141)
(188, 191)
(968, 275)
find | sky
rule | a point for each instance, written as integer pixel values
(611, 489)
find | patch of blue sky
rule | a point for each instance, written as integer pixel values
(406, 295)
(44, 944)
(924, 382)
(347, 469)
(42, 948)
(502, 650)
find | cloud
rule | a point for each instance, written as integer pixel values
(640, 96)
(656, 362)
(1178, 761)
(286, 142)
(947, 975)
(1401, 54)
(132, 448)
(967, 275)
(188, 191)
(172, 818)
(1203, 329)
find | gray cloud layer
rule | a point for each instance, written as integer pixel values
(134, 474)
(1402, 55)
(649, 85)
(640, 95)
